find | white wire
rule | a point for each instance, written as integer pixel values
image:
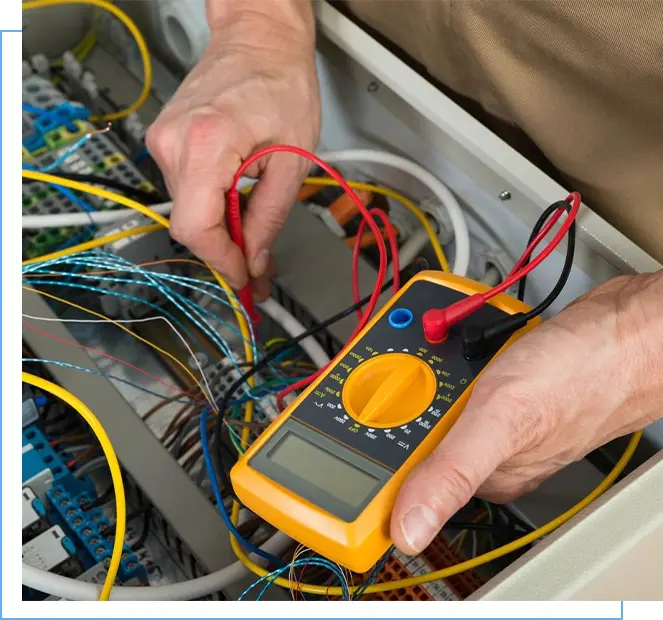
(412, 247)
(442, 193)
(209, 395)
(58, 220)
(294, 328)
(492, 277)
(74, 590)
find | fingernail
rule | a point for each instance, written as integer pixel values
(419, 526)
(260, 262)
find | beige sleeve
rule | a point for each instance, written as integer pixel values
(582, 78)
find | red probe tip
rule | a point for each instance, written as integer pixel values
(438, 322)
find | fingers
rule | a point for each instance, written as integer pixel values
(442, 484)
(198, 179)
(269, 205)
(262, 286)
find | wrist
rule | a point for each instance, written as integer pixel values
(639, 332)
(268, 22)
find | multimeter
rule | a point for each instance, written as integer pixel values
(328, 470)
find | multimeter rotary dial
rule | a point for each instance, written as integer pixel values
(389, 390)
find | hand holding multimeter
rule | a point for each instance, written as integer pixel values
(328, 470)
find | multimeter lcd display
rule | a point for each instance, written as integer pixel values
(317, 466)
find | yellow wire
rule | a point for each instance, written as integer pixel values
(123, 328)
(408, 204)
(272, 341)
(114, 466)
(94, 243)
(385, 191)
(159, 219)
(131, 27)
(469, 564)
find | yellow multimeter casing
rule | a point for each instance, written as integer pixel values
(328, 470)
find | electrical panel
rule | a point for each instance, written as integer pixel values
(138, 329)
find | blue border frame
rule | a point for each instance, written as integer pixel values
(621, 615)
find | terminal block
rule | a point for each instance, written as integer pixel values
(42, 465)
(34, 515)
(92, 532)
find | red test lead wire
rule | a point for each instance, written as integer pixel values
(234, 225)
(234, 218)
(363, 318)
(393, 245)
(437, 322)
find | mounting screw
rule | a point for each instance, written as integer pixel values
(505, 195)
(373, 87)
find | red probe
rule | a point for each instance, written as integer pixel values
(438, 322)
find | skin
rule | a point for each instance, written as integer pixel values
(589, 375)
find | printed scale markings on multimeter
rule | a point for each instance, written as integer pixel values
(401, 429)
(327, 471)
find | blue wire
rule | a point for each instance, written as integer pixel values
(204, 443)
(32, 109)
(102, 291)
(269, 578)
(154, 281)
(74, 147)
(141, 155)
(73, 198)
(102, 374)
(100, 259)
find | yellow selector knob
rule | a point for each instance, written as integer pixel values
(389, 390)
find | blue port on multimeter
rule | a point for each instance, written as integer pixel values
(400, 318)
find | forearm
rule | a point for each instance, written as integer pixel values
(620, 326)
(640, 332)
(268, 22)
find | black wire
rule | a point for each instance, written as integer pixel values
(373, 575)
(462, 525)
(140, 541)
(563, 276)
(100, 500)
(133, 192)
(513, 322)
(264, 362)
(560, 204)
(406, 273)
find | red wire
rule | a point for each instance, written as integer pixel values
(80, 457)
(234, 218)
(109, 356)
(574, 199)
(363, 319)
(542, 234)
(438, 321)
(393, 244)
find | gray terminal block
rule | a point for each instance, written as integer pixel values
(52, 551)
(34, 515)
(40, 93)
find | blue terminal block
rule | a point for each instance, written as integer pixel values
(92, 531)
(61, 116)
(41, 457)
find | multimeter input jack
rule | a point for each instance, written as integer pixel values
(400, 318)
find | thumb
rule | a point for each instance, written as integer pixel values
(447, 480)
(269, 205)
